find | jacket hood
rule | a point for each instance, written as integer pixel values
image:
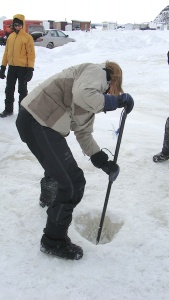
(20, 17)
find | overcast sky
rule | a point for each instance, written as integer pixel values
(122, 11)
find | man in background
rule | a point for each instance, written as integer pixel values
(19, 55)
(164, 154)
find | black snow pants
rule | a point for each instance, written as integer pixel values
(54, 155)
(165, 148)
(14, 74)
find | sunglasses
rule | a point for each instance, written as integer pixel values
(17, 25)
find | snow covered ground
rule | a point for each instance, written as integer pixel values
(131, 262)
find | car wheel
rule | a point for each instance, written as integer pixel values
(50, 46)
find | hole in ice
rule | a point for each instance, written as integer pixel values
(88, 225)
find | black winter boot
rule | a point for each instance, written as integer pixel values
(49, 187)
(63, 248)
(160, 157)
(6, 113)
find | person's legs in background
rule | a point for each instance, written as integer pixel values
(9, 92)
(164, 154)
(22, 84)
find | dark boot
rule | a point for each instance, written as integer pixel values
(8, 110)
(6, 113)
(63, 248)
(160, 157)
(49, 187)
(55, 240)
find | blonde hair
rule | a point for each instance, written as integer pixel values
(116, 76)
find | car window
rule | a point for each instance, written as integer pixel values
(32, 28)
(61, 34)
(53, 33)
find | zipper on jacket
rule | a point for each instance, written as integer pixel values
(13, 51)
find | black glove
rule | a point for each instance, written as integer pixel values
(168, 56)
(125, 100)
(29, 74)
(100, 160)
(112, 169)
(2, 72)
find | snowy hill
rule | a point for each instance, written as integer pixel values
(163, 17)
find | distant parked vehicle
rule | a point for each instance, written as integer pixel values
(144, 26)
(51, 38)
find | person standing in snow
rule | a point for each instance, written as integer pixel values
(19, 55)
(164, 154)
(68, 101)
